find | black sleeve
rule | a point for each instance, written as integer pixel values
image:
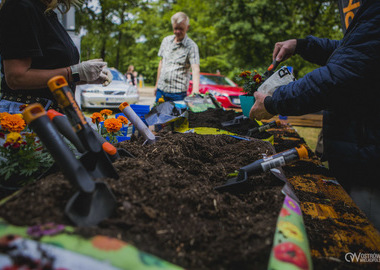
(301, 46)
(19, 30)
(268, 104)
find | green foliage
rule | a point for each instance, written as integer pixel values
(232, 35)
(23, 159)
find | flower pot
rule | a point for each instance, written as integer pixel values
(246, 103)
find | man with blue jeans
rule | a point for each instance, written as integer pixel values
(178, 54)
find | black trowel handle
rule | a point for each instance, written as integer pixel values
(71, 167)
(63, 125)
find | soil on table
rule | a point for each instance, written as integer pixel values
(167, 205)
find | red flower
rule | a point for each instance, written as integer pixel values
(16, 145)
(257, 78)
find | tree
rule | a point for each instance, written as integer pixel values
(231, 34)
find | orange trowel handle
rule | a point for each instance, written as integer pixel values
(64, 96)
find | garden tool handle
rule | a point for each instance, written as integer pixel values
(276, 160)
(264, 127)
(108, 147)
(137, 122)
(273, 66)
(63, 125)
(62, 93)
(36, 117)
(271, 69)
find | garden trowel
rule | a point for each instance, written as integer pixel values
(238, 184)
(138, 123)
(95, 159)
(63, 125)
(94, 201)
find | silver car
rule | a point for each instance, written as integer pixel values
(110, 96)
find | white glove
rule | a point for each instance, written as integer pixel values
(106, 76)
(89, 70)
(280, 77)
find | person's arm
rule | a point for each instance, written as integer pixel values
(19, 75)
(196, 78)
(158, 76)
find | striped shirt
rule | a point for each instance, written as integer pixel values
(177, 59)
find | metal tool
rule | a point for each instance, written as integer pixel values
(93, 201)
(138, 123)
(95, 160)
(264, 127)
(271, 69)
(237, 184)
(113, 152)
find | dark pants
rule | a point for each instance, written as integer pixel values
(170, 96)
(362, 186)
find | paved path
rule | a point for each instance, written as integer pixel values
(147, 96)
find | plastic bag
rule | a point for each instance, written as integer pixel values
(165, 113)
(281, 77)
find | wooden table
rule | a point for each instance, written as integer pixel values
(334, 224)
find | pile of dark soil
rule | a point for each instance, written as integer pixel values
(167, 205)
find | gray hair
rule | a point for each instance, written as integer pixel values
(180, 17)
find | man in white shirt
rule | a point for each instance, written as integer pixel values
(178, 54)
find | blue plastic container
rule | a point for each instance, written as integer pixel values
(120, 138)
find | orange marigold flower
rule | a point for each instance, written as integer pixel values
(12, 123)
(123, 119)
(105, 112)
(107, 244)
(2, 114)
(96, 117)
(245, 73)
(112, 125)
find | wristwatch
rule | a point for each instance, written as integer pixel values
(75, 77)
(75, 73)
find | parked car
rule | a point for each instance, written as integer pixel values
(225, 90)
(110, 96)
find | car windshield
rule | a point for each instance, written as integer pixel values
(216, 80)
(117, 76)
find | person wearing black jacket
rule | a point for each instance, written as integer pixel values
(34, 47)
(346, 87)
